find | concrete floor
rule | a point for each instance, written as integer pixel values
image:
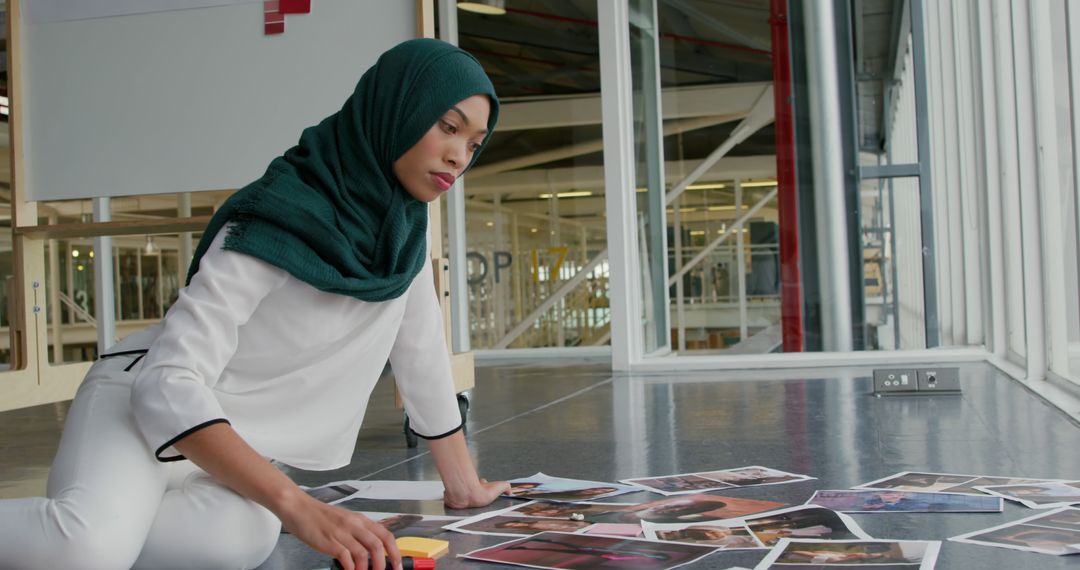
(575, 420)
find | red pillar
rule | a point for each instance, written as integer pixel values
(791, 321)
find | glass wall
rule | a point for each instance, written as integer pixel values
(534, 209)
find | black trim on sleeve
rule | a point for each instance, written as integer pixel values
(171, 442)
(142, 351)
(134, 362)
(447, 434)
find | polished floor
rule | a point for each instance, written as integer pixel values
(576, 420)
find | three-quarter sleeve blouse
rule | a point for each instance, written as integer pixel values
(290, 367)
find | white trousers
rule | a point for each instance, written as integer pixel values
(111, 505)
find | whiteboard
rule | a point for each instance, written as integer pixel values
(187, 100)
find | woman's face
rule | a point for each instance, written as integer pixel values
(429, 168)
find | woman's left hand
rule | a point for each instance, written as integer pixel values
(478, 495)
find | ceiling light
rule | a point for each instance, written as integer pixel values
(488, 7)
(576, 194)
(758, 184)
(706, 186)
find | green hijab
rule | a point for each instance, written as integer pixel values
(330, 210)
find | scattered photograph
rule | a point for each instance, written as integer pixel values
(552, 509)
(1049, 495)
(687, 509)
(712, 534)
(804, 522)
(332, 493)
(615, 529)
(1056, 532)
(792, 554)
(402, 524)
(715, 480)
(541, 486)
(514, 525)
(879, 501)
(942, 482)
(587, 552)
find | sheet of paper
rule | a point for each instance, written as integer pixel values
(333, 493)
(546, 487)
(942, 482)
(563, 551)
(684, 483)
(1055, 532)
(885, 501)
(1047, 495)
(846, 553)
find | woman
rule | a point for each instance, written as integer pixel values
(304, 283)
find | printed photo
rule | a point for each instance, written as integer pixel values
(332, 493)
(873, 501)
(713, 534)
(791, 554)
(583, 552)
(754, 475)
(941, 482)
(715, 480)
(511, 525)
(549, 488)
(1048, 495)
(551, 509)
(615, 529)
(400, 524)
(1056, 532)
(688, 509)
(802, 523)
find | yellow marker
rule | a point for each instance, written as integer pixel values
(422, 547)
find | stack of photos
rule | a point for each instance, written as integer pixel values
(1056, 532)
(549, 488)
(871, 501)
(400, 524)
(942, 482)
(792, 554)
(715, 480)
(578, 552)
(1048, 495)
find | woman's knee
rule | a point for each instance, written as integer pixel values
(92, 542)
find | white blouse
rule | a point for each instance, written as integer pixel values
(289, 366)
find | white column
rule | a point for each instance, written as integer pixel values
(830, 208)
(740, 260)
(183, 210)
(104, 297)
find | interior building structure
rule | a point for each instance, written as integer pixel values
(678, 191)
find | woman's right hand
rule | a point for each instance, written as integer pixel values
(348, 536)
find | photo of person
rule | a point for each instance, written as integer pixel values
(401, 524)
(685, 483)
(913, 554)
(559, 510)
(804, 522)
(1056, 532)
(750, 476)
(688, 509)
(1039, 495)
(714, 534)
(942, 482)
(541, 486)
(511, 525)
(332, 492)
(678, 484)
(875, 501)
(581, 552)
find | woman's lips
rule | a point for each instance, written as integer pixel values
(442, 180)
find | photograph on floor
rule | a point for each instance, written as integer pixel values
(1056, 532)
(406, 524)
(498, 523)
(803, 522)
(943, 482)
(579, 552)
(1049, 495)
(615, 529)
(726, 536)
(558, 510)
(874, 501)
(688, 509)
(541, 486)
(715, 480)
(331, 493)
(791, 554)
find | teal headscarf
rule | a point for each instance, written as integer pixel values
(330, 210)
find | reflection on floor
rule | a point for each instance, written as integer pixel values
(575, 420)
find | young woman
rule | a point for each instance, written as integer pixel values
(304, 284)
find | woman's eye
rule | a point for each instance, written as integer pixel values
(474, 147)
(450, 128)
